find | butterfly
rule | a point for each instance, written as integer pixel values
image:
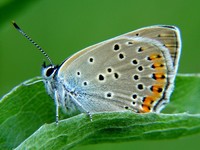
(131, 72)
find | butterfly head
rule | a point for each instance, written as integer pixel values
(49, 78)
(49, 72)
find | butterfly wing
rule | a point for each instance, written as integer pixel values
(134, 71)
(169, 36)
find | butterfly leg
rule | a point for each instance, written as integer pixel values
(57, 106)
(90, 115)
(81, 106)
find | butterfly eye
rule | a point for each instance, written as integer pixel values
(49, 71)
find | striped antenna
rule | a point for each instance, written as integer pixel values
(38, 47)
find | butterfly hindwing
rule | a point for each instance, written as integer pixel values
(132, 71)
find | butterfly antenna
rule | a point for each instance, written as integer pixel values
(38, 47)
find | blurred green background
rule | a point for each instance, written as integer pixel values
(63, 27)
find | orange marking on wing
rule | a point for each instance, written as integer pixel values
(145, 109)
(157, 66)
(159, 76)
(148, 100)
(154, 56)
(157, 88)
(156, 95)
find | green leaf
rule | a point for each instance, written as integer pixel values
(111, 127)
(186, 95)
(23, 111)
(27, 119)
